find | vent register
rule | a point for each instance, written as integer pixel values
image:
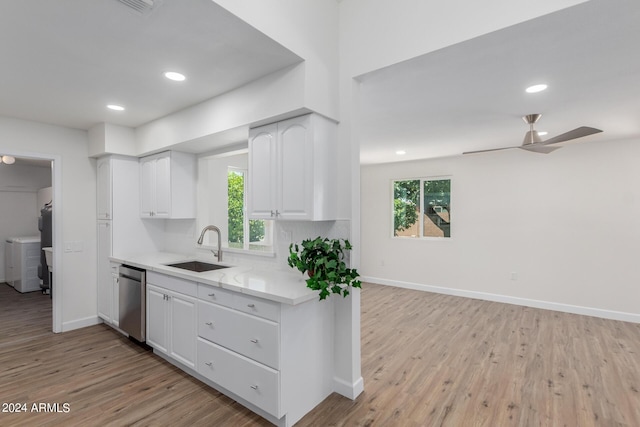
(142, 7)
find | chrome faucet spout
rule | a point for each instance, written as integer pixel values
(217, 230)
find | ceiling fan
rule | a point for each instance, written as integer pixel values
(533, 142)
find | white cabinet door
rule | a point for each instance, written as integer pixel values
(182, 328)
(292, 170)
(295, 160)
(168, 185)
(162, 189)
(104, 188)
(105, 281)
(157, 318)
(115, 284)
(172, 324)
(147, 187)
(262, 185)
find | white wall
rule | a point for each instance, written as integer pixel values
(107, 138)
(309, 29)
(566, 223)
(272, 95)
(77, 208)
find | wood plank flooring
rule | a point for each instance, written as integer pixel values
(427, 360)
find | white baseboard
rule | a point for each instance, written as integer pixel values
(80, 323)
(547, 305)
(346, 389)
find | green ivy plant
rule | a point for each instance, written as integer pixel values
(323, 260)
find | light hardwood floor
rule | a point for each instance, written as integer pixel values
(427, 360)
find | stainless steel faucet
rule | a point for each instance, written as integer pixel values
(217, 230)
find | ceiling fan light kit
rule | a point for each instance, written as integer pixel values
(533, 142)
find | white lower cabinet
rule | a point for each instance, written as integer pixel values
(245, 334)
(171, 323)
(275, 359)
(253, 381)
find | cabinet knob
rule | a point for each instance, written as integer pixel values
(211, 295)
(273, 213)
(209, 364)
(255, 341)
(255, 387)
(251, 305)
(209, 323)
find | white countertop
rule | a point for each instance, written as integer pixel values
(287, 287)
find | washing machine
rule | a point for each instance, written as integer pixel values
(25, 261)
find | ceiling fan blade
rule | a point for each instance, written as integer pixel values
(490, 149)
(572, 134)
(539, 148)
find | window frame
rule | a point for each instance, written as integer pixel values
(246, 231)
(421, 207)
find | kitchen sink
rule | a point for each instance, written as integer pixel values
(197, 266)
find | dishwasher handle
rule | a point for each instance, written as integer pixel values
(133, 273)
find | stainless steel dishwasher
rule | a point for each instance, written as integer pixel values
(133, 301)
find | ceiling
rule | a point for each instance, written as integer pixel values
(470, 96)
(69, 58)
(65, 60)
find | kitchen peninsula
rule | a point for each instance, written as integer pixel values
(259, 336)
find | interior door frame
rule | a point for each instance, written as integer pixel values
(56, 221)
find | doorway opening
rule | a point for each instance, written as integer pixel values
(24, 163)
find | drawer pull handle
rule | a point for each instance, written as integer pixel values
(212, 295)
(251, 305)
(255, 341)
(209, 323)
(255, 387)
(209, 364)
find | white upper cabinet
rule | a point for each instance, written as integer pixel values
(291, 170)
(104, 188)
(261, 197)
(168, 185)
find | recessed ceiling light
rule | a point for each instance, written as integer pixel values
(176, 77)
(115, 107)
(7, 159)
(536, 88)
(401, 152)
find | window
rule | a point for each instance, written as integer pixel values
(422, 208)
(242, 232)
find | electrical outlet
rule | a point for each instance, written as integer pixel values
(514, 276)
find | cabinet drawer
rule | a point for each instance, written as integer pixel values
(250, 336)
(245, 303)
(171, 283)
(215, 295)
(257, 306)
(252, 381)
